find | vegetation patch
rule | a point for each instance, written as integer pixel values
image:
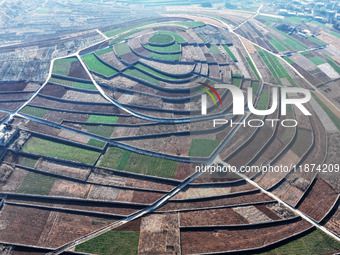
(68, 83)
(58, 150)
(62, 66)
(214, 50)
(103, 51)
(317, 61)
(253, 67)
(96, 143)
(112, 243)
(312, 244)
(36, 184)
(34, 111)
(28, 162)
(154, 72)
(202, 147)
(330, 114)
(302, 142)
(229, 52)
(237, 82)
(169, 57)
(161, 39)
(97, 66)
(166, 49)
(277, 45)
(125, 160)
(255, 87)
(140, 75)
(178, 38)
(102, 119)
(101, 130)
(122, 48)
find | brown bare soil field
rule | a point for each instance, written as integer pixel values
(252, 214)
(22, 225)
(228, 240)
(107, 177)
(130, 226)
(225, 216)
(334, 222)
(319, 200)
(53, 91)
(183, 170)
(114, 209)
(202, 192)
(332, 178)
(62, 169)
(271, 214)
(159, 234)
(14, 181)
(242, 199)
(69, 189)
(61, 228)
(77, 71)
(145, 197)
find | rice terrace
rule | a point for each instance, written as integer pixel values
(118, 135)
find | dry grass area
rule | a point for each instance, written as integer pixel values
(14, 181)
(69, 189)
(159, 234)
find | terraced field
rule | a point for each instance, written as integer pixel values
(118, 151)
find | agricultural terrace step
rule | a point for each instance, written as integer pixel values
(88, 202)
(241, 226)
(236, 194)
(117, 172)
(72, 211)
(88, 182)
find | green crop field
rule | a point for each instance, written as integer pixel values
(291, 42)
(237, 82)
(34, 111)
(202, 147)
(276, 68)
(302, 142)
(104, 131)
(38, 184)
(229, 52)
(125, 35)
(121, 159)
(288, 60)
(255, 86)
(277, 45)
(178, 38)
(330, 114)
(112, 243)
(96, 143)
(62, 66)
(103, 51)
(314, 243)
(122, 48)
(28, 162)
(154, 72)
(102, 119)
(170, 57)
(317, 61)
(79, 85)
(331, 61)
(214, 50)
(95, 65)
(316, 40)
(161, 39)
(166, 49)
(253, 67)
(263, 101)
(58, 150)
(138, 74)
